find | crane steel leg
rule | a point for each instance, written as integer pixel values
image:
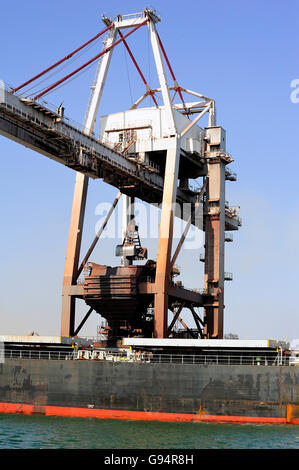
(79, 201)
(162, 280)
(214, 248)
(72, 254)
(169, 198)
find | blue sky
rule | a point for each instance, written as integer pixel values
(243, 54)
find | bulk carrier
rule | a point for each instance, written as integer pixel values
(142, 366)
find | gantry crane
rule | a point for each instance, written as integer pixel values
(151, 153)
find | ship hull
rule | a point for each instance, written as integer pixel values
(147, 391)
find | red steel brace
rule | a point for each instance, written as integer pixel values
(68, 56)
(89, 62)
(149, 91)
(177, 87)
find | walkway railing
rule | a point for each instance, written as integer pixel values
(39, 355)
(147, 357)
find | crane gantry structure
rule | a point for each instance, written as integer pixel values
(147, 153)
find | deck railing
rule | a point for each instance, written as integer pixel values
(129, 356)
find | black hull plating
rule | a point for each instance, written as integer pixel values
(165, 388)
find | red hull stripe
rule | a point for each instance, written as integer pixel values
(136, 415)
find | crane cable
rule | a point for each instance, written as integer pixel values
(66, 82)
(148, 89)
(89, 62)
(128, 75)
(148, 57)
(68, 56)
(177, 87)
(55, 72)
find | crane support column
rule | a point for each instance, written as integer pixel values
(72, 254)
(215, 232)
(79, 201)
(168, 201)
(162, 280)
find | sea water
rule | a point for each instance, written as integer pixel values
(41, 432)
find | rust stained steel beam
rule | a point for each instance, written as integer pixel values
(76, 229)
(185, 294)
(185, 326)
(176, 315)
(175, 292)
(149, 91)
(214, 248)
(68, 313)
(73, 253)
(197, 321)
(162, 280)
(98, 235)
(89, 62)
(83, 321)
(183, 237)
(196, 315)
